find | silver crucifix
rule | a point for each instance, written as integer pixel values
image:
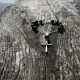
(47, 43)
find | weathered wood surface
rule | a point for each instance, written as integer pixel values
(21, 53)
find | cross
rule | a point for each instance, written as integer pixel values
(46, 46)
(47, 43)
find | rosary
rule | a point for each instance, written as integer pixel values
(60, 29)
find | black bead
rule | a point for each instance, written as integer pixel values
(46, 37)
(35, 29)
(41, 23)
(36, 24)
(61, 29)
(60, 23)
(52, 22)
(57, 23)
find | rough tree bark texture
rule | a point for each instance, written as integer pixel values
(21, 55)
